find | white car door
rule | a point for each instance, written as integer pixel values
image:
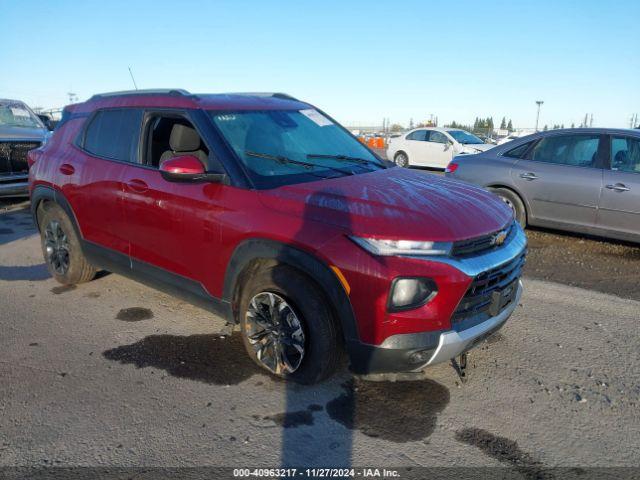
(439, 150)
(416, 147)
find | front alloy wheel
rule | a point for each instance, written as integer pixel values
(275, 333)
(56, 247)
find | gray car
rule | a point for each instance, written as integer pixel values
(20, 131)
(583, 180)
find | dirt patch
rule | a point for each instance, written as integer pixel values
(395, 411)
(212, 358)
(606, 266)
(503, 450)
(134, 314)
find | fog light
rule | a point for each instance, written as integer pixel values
(408, 293)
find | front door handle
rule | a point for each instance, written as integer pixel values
(528, 176)
(137, 185)
(67, 169)
(619, 187)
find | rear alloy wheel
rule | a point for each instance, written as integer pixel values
(401, 159)
(61, 248)
(56, 247)
(287, 325)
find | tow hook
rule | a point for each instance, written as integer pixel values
(460, 366)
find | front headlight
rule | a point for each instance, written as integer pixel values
(402, 247)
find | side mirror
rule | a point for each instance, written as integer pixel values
(447, 145)
(187, 168)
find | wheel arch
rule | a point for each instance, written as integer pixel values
(527, 207)
(257, 253)
(42, 196)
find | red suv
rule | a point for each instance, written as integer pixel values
(264, 210)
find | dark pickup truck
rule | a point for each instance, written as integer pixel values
(20, 131)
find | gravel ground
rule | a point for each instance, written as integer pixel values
(112, 373)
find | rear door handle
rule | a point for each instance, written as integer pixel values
(528, 176)
(67, 169)
(137, 185)
(619, 187)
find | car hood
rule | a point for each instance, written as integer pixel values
(21, 133)
(395, 203)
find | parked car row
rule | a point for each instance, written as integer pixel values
(266, 211)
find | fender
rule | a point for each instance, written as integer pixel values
(316, 269)
(43, 192)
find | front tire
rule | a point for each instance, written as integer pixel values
(401, 159)
(287, 327)
(61, 248)
(515, 202)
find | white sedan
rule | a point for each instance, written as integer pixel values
(432, 146)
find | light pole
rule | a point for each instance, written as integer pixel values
(539, 103)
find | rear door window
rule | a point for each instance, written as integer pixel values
(625, 154)
(419, 135)
(572, 150)
(114, 134)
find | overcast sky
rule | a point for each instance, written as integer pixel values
(358, 60)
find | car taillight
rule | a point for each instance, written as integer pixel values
(452, 167)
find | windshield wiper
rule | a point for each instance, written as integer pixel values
(284, 160)
(361, 161)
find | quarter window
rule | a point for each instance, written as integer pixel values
(625, 154)
(419, 135)
(519, 151)
(573, 150)
(114, 134)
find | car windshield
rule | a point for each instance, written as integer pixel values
(283, 147)
(17, 114)
(465, 138)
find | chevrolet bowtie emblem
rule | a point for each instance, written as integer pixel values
(499, 238)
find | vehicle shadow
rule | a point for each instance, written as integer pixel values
(32, 273)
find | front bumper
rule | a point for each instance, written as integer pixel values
(14, 186)
(413, 352)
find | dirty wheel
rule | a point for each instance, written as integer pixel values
(61, 248)
(287, 327)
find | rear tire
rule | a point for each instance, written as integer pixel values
(515, 202)
(301, 318)
(61, 248)
(401, 159)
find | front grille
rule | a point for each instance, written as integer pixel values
(13, 156)
(481, 244)
(480, 300)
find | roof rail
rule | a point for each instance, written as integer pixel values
(284, 96)
(151, 91)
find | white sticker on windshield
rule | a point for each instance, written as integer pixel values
(316, 117)
(20, 112)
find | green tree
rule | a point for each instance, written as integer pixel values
(510, 126)
(396, 127)
(503, 124)
(545, 128)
